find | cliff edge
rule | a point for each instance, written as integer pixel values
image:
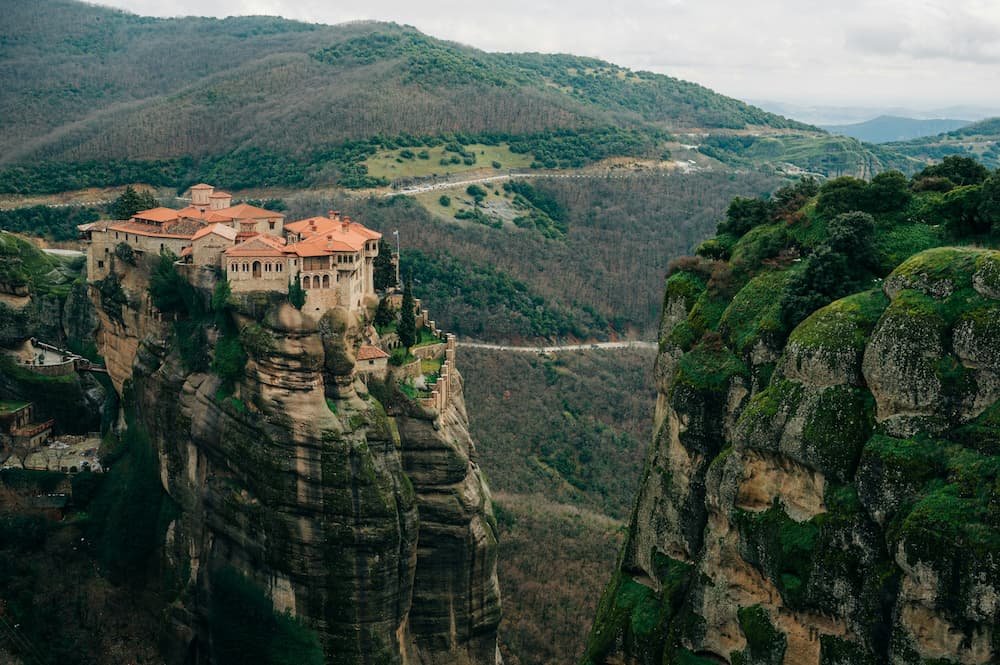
(821, 488)
(366, 523)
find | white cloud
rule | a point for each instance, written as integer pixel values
(875, 52)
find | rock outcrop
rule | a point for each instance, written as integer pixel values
(832, 500)
(368, 520)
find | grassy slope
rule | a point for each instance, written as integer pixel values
(980, 140)
(98, 75)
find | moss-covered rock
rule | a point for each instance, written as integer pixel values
(836, 494)
(828, 347)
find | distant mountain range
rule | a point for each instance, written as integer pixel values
(886, 128)
(826, 114)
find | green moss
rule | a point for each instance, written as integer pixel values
(755, 312)
(757, 245)
(706, 313)
(685, 657)
(686, 285)
(781, 548)
(635, 614)
(765, 644)
(954, 264)
(247, 629)
(683, 336)
(836, 651)
(982, 433)
(843, 324)
(757, 423)
(708, 370)
(836, 428)
(988, 270)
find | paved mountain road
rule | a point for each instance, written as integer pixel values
(557, 348)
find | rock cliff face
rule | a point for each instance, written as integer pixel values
(369, 522)
(835, 499)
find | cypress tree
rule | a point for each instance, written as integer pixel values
(407, 319)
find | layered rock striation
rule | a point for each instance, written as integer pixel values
(831, 498)
(367, 520)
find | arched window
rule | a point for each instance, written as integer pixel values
(267, 267)
(307, 282)
(256, 268)
(232, 267)
(326, 281)
(246, 267)
(279, 267)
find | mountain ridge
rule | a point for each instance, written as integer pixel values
(889, 128)
(221, 75)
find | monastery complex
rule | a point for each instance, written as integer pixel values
(254, 248)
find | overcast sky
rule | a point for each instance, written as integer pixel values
(923, 54)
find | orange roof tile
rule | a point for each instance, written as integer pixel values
(227, 232)
(193, 212)
(220, 195)
(247, 211)
(186, 251)
(368, 352)
(202, 185)
(159, 214)
(259, 245)
(311, 225)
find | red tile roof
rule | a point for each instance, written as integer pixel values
(220, 195)
(202, 185)
(159, 214)
(247, 211)
(368, 352)
(227, 232)
(259, 245)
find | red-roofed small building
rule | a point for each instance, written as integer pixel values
(371, 361)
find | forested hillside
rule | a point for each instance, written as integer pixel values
(95, 97)
(980, 140)
(299, 85)
(603, 276)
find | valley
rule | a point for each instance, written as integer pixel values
(667, 378)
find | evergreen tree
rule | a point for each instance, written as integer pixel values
(131, 202)
(296, 294)
(385, 271)
(384, 314)
(407, 329)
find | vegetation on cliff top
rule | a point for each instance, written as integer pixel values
(797, 283)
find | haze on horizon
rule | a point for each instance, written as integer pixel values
(920, 55)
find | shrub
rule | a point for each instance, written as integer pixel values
(125, 252)
(444, 200)
(476, 192)
(296, 294)
(229, 361)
